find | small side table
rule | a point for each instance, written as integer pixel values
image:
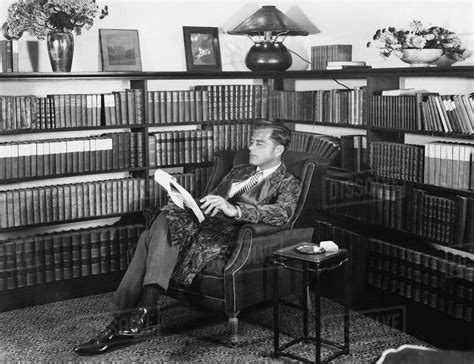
(317, 264)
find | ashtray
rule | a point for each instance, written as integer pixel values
(310, 249)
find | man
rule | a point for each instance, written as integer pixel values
(177, 246)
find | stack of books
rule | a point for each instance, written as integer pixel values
(340, 65)
(320, 55)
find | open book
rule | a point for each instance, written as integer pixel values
(177, 193)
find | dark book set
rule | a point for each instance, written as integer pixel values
(442, 281)
(45, 258)
(423, 111)
(404, 208)
(336, 106)
(22, 207)
(324, 146)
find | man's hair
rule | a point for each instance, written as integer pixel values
(280, 133)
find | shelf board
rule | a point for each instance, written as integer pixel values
(399, 237)
(321, 123)
(425, 186)
(53, 176)
(68, 221)
(86, 128)
(457, 71)
(423, 132)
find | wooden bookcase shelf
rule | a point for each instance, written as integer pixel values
(322, 123)
(12, 267)
(424, 132)
(377, 79)
(340, 217)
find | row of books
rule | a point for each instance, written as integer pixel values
(56, 203)
(175, 106)
(443, 283)
(194, 182)
(448, 113)
(396, 160)
(232, 135)
(402, 208)
(177, 147)
(9, 55)
(393, 112)
(70, 155)
(38, 259)
(236, 102)
(354, 153)
(450, 165)
(423, 111)
(321, 54)
(323, 146)
(337, 106)
(408, 271)
(127, 107)
(53, 111)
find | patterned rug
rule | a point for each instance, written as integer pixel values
(49, 333)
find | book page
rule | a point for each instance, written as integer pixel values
(177, 193)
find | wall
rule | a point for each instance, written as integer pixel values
(341, 21)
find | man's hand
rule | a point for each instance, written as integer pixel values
(212, 204)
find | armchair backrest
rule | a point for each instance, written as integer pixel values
(308, 168)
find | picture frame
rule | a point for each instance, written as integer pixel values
(201, 45)
(119, 50)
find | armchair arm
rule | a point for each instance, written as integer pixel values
(256, 243)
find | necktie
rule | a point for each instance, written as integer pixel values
(251, 183)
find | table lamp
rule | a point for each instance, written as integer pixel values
(269, 54)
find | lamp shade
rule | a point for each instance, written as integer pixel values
(269, 54)
(268, 19)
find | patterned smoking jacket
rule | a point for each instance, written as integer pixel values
(272, 201)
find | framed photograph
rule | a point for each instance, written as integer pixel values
(201, 45)
(120, 50)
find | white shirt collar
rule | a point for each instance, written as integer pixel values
(268, 171)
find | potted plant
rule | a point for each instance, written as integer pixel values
(418, 46)
(55, 20)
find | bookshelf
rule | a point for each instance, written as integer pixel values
(73, 203)
(376, 79)
(391, 214)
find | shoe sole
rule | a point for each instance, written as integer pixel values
(118, 344)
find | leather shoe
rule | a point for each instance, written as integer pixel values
(123, 330)
(105, 341)
(143, 321)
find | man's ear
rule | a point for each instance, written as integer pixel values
(280, 149)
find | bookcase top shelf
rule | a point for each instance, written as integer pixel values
(458, 71)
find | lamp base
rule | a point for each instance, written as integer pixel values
(268, 56)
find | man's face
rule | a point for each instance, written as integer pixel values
(263, 151)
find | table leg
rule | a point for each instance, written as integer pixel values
(317, 314)
(276, 327)
(305, 302)
(346, 306)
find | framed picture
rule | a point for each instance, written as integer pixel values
(201, 45)
(120, 50)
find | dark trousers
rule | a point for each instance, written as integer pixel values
(153, 263)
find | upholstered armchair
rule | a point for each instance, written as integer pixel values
(246, 278)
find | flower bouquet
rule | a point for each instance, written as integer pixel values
(393, 41)
(40, 17)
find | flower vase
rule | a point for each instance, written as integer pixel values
(60, 50)
(445, 61)
(421, 57)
